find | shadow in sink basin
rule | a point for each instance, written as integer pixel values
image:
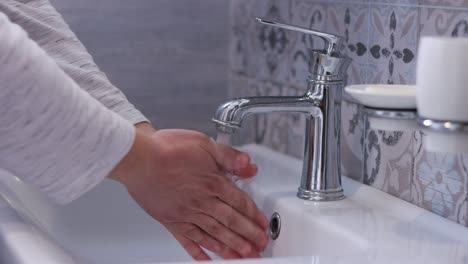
(303, 237)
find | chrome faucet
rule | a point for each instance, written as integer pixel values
(321, 172)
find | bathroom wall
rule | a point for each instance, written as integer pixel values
(382, 39)
(168, 56)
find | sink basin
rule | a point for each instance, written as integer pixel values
(106, 226)
(369, 226)
(307, 228)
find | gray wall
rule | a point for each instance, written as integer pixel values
(168, 56)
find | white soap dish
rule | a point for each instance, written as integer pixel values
(384, 96)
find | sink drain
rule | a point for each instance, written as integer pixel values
(275, 226)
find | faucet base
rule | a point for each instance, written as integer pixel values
(319, 196)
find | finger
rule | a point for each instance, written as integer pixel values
(238, 223)
(192, 248)
(240, 201)
(247, 172)
(225, 236)
(224, 251)
(200, 237)
(221, 187)
(227, 253)
(228, 158)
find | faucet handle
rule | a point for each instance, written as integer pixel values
(333, 43)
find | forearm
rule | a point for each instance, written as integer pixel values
(48, 29)
(53, 134)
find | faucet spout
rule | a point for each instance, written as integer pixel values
(321, 174)
(229, 115)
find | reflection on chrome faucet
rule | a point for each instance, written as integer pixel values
(321, 173)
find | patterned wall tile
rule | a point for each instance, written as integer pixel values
(388, 161)
(462, 214)
(440, 184)
(272, 45)
(352, 22)
(352, 137)
(418, 148)
(443, 22)
(393, 44)
(310, 15)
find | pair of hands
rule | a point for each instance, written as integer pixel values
(178, 177)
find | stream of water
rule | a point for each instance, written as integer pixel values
(225, 139)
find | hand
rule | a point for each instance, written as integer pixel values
(182, 184)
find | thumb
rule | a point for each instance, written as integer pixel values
(233, 161)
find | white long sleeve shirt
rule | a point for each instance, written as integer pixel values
(47, 28)
(53, 134)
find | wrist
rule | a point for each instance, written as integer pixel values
(146, 128)
(137, 161)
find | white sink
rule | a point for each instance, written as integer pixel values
(369, 226)
(106, 226)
